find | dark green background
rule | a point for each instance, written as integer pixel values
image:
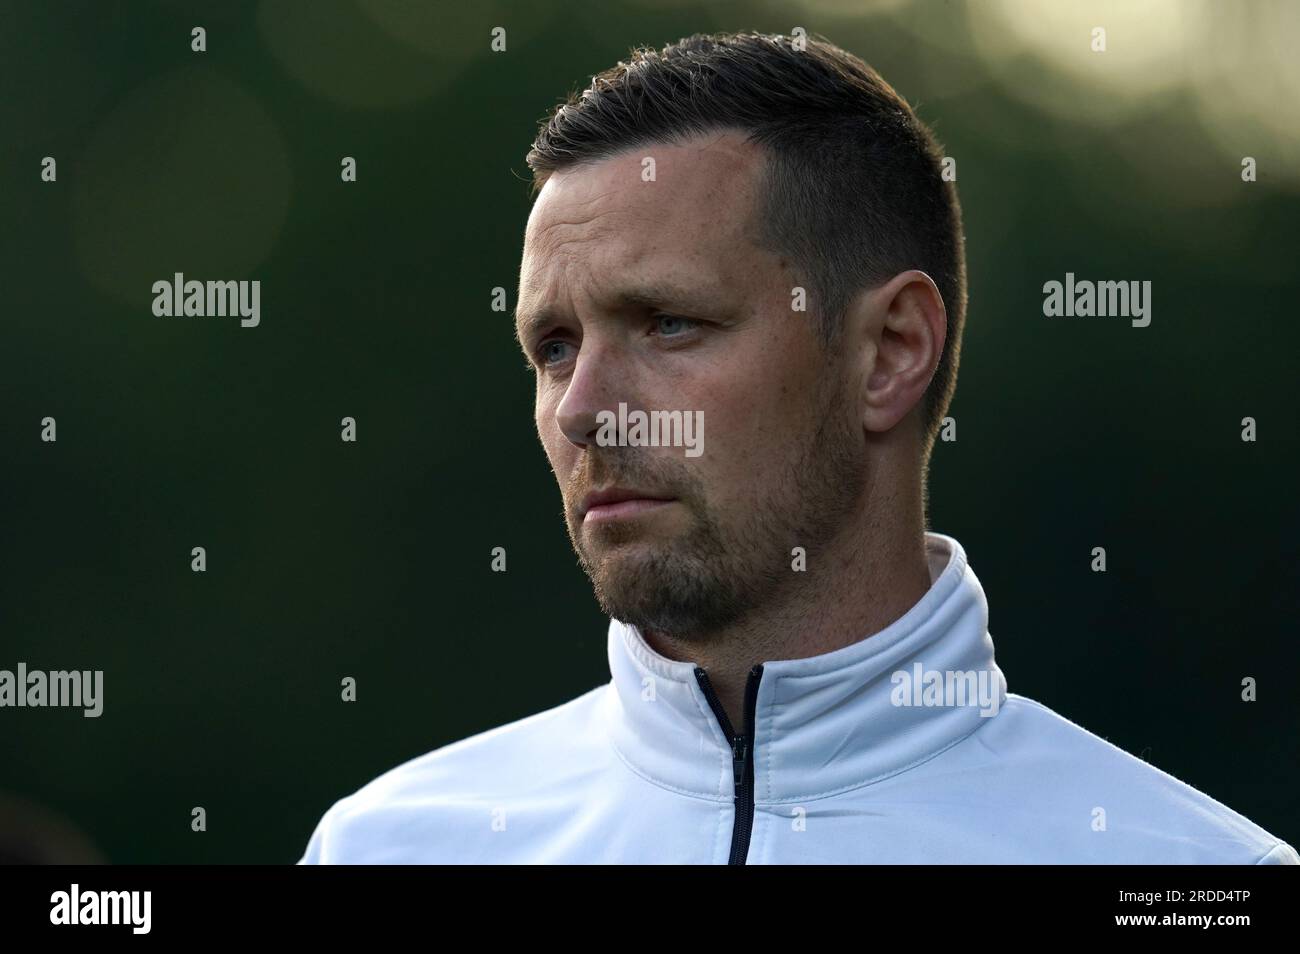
(371, 560)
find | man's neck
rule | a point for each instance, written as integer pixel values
(867, 579)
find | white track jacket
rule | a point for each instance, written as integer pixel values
(904, 747)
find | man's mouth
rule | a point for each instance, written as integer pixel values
(617, 503)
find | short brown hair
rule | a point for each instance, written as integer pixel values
(853, 184)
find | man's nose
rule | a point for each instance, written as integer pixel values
(597, 384)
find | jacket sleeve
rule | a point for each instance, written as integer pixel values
(1281, 854)
(316, 844)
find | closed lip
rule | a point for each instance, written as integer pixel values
(614, 495)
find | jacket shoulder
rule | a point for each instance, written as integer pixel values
(398, 816)
(1151, 815)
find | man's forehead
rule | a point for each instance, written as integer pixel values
(701, 189)
(605, 218)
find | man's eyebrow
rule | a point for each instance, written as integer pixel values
(656, 295)
(526, 323)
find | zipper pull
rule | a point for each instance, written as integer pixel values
(739, 748)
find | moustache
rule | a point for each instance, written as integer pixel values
(644, 473)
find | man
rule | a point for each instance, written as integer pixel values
(754, 235)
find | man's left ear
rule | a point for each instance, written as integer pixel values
(907, 325)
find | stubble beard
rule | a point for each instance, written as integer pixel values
(725, 567)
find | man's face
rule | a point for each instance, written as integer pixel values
(655, 294)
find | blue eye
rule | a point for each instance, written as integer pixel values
(547, 355)
(671, 325)
(550, 352)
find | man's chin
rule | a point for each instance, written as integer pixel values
(616, 565)
(621, 545)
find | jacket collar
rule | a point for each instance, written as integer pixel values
(826, 723)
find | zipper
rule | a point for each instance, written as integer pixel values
(742, 758)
